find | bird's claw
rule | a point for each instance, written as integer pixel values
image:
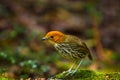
(73, 72)
(70, 73)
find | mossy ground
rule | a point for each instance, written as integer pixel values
(88, 75)
(5, 78)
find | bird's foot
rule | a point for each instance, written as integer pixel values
(70, 72)
(73, 72)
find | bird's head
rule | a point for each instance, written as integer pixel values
(54, 37)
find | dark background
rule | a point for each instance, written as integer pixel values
(24, 22)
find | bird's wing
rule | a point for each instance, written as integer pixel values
(74, 49)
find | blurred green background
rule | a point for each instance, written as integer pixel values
(24, 22)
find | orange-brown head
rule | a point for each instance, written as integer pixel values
(54, 37)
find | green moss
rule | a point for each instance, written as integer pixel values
(5, 78)
(88, 75)
(109, 76)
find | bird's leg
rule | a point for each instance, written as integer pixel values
(69, 70)
(77, 67)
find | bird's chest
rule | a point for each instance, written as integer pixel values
(64, 50)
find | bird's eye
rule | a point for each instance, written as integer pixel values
(51, 36)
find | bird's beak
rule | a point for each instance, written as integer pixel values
(44, 38)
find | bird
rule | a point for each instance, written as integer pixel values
(70, 47)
